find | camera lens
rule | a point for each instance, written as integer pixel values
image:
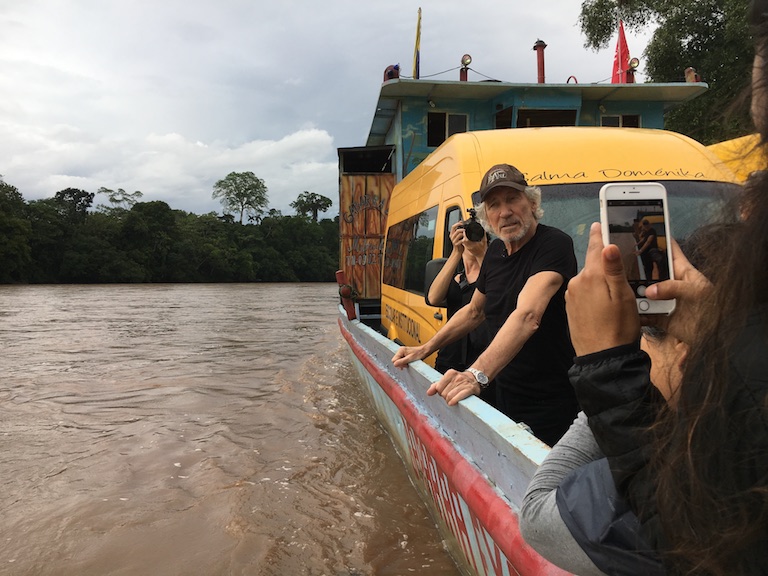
(473, 230)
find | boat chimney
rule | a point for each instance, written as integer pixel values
(539, 47)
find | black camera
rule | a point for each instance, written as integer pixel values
(473, 230)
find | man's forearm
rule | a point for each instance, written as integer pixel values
(459, 325)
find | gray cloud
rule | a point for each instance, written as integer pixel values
(168, 97)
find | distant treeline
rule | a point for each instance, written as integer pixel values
(61, 240)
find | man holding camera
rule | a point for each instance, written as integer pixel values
(521, 293)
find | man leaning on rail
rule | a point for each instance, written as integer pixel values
(521, 292)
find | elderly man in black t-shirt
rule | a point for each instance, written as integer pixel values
(521, 292)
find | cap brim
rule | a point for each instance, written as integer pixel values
(502, 184)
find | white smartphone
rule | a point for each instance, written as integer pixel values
(635, 217)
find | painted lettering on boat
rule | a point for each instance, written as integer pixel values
(364, 251)
(658, 173)
(483, 554)
(404, 322)
(612, 173)
(366, 202)
(549, 176)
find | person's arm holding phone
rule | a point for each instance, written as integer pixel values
(611, 375)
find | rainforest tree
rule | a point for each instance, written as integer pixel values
(15, 231)
(309, 203)
(712, 36)
(243, 193)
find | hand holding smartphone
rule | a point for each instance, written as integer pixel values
(635, 217)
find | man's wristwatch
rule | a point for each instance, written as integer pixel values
(481, 378)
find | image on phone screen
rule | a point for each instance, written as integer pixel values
(638, 228)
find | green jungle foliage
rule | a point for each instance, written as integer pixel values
(711, 36)
(61, 240)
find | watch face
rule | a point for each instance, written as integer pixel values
(479, 376)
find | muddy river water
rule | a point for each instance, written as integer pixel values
(195, 429)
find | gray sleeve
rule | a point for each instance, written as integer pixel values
(540, 522)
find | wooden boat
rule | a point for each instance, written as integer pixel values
(429, 144)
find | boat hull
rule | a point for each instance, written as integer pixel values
(470, 462)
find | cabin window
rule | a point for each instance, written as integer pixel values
(408, 249)
(366, 160)
(621, 120)
(530, 118)
(441, 125)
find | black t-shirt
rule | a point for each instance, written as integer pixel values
(654, 243)
(540, 369)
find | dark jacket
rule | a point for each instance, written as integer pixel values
(615, 392)
(602, 524)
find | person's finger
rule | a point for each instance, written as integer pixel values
(613, 270)
(459, 395)
(666, 290)
(439, 386)
(595, 246)
(403, 357)
(680, 263)
(612, 264)
(677, 252)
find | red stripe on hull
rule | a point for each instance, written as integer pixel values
(490, 509)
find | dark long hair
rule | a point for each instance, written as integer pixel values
(712, 483)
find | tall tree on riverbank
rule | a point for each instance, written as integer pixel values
(712, 36)
(310, 203)
(73, 204)
(120, 199)
(242, 192)
(15, 231)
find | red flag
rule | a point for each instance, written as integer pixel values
(621, 59)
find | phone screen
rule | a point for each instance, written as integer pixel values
(639, 229)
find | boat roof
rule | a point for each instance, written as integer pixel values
(395, 90)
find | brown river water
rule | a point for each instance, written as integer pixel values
(195, 429)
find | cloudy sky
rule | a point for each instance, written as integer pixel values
(169, 96)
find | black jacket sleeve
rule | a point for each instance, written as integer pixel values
(616, 394)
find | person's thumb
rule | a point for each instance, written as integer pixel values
(613, 267)
(667, 290)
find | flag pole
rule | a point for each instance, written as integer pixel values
(417, 48)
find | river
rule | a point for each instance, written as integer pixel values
(213, 429)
